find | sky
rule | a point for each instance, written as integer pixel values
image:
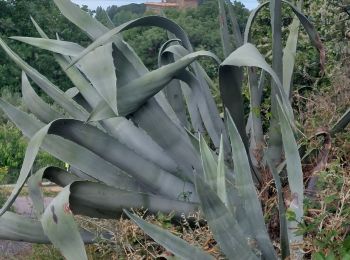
(92, 4)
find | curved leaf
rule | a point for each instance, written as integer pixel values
(171, 242)
(209, 163)
(57, 46)
(171, 138)
(98, 67)
(221, 175)
(158, 21)
(120, 128)
(35, 104)
(59, 96)
(67, 151)
(308, 26)
(248, 55)
(58, 221)
(225, 37)
(341, 123)
(98, 200)
(247, 190)
(225, 228)
(132, 95)
(281, 211)
(295, 180)
(15, 227)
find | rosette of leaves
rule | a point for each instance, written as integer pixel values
(134, 137)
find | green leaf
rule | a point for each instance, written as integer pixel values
(238, 38)
(120, 128)
(221, 175)
(289, 54)
(98, 67)
(283, 215)
(59, 96)
(274, 133)
(138, 91)
(248, 193)
(99, 200)
(30, 155)
(167, 135)
(69, 152)
(231, 79)
(57, 46)
(15, 227)
(209, 163)
(34, 186)
(58, 221)
(144, 21)
(35, 104)
(226, 230)
(171, 242)
(305, 22)
(341, 123)
(295, 180)
(225, 37)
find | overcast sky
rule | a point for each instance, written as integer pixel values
(92, 4)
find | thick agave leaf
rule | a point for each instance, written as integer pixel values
(72, 92)
(34, 186)
(30, 155)
(109, 149)
(67, 151)
(248, 55)
(295, 180)
(211, 118)
(173, 91)
(58, 221)
(98, 67)
(305, 22)
(120, 128)
(15, 227)
(158, 180)
(209, 163)
(35, 104)
(63, 100)
(172, 139)
(82, 19)
(98, 200)
(213, 126)
(143, 21)
(275, 138)
(281, 211)
(226, 230)
(107, 199)
(138, 91)
(61, 47)
(225, 36)
(254, 123)
(247, 191)
(341, 123)
(221, 175)
(237, 34)
(171, 242)
(289, 54)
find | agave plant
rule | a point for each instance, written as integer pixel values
(126, 134)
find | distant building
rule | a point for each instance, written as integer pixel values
(178, 4)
